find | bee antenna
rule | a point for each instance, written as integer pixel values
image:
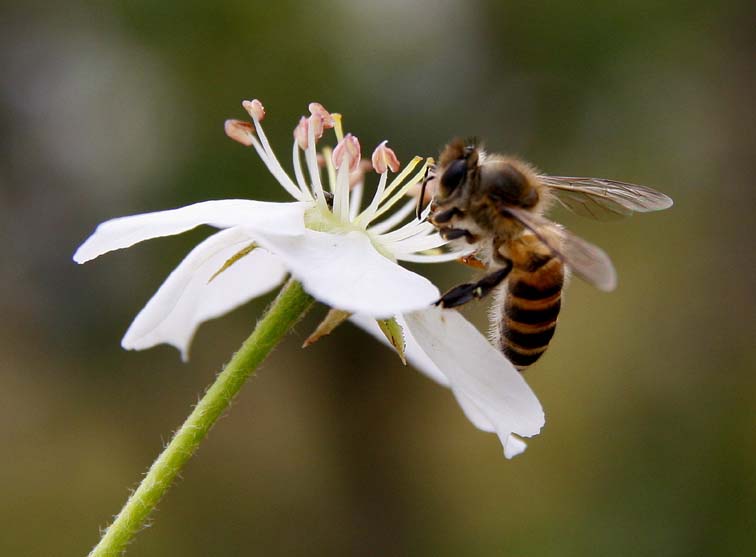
(419, 207)
(472, 143)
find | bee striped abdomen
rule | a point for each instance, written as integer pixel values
(530, 311)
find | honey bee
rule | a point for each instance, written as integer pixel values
(496, 204)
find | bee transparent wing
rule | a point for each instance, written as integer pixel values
(587, 261)
(604, 199)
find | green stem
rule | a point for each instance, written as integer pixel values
(290, 305)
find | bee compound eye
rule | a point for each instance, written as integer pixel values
(454, 175)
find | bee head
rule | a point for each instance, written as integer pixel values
(458, 161)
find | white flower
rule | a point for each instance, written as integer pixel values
(343, 254)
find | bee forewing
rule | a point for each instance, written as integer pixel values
(604, 199)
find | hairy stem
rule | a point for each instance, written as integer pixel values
(290, 305)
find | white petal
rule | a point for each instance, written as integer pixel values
(346, 272)
(281, 218)
(186, 298)
(514, 446)
(473, 413)
(480, 375)
(423, 363)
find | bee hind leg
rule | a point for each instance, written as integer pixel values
(460, 295)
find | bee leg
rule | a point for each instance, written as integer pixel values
(446, 216)
(449, 233)
(460, 295)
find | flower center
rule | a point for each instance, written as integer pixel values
(331, 183)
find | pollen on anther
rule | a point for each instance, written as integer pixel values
(240, 131)
(348, 150)
(255, 109)
(316, 122)
(300, 133)
(317, 109)
(384, 158)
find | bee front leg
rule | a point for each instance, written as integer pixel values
(449, 233)
(460, 295)
(447, 215)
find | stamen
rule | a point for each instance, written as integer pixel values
(347, 150)
(341, 195)
(300, 133)
(414, 245)
(346, 159)
(316, 123)
(328, 163)
(255, 109)
(359, 175)
(277, 172)
(364, 218)
(432, 258)
(397, 181)
(355, 200)
(297, 164)
(394, 219)
(403, 190)
(326, 118)
(373, 211)
(312, 164)
(337, 127)
(412, 229)
(384, 158)
(240, 131)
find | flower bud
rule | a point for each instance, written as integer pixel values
(384, 158)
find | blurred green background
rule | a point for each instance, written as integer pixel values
(650, 392)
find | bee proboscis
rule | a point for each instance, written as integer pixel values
(496, 204)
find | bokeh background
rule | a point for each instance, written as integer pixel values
(114, 108)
